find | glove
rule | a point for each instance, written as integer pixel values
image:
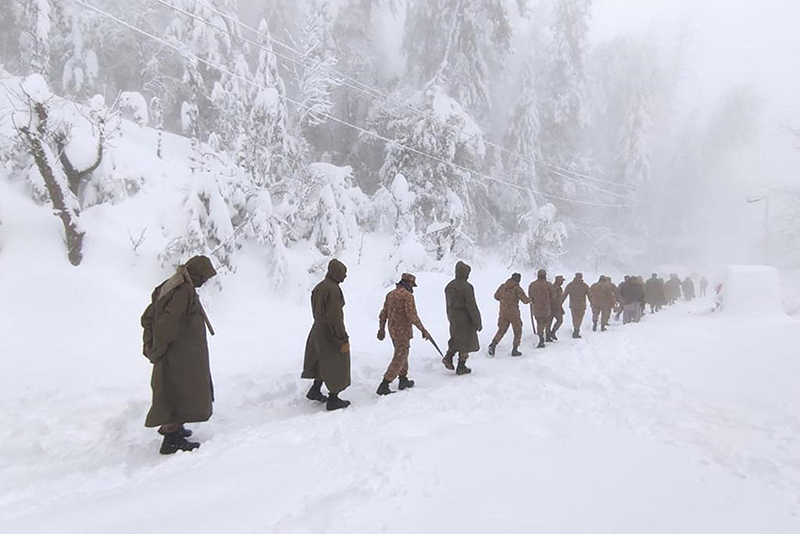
(345, 347)
(381, 334)
(425, 334)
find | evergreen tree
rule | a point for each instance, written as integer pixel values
(563, 110)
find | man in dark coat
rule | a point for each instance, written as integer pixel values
(464, 318)
(509, 295)
(557, 306)
(327, 356)
(578, 293)
(688, 288)
(541, 293)
(175, 342)
(400, 311)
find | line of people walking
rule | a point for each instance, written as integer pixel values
(175, 327)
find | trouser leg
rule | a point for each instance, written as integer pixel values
(577, 317)
(502, 328)
(516, 326)
(559, 320)
(399, 363)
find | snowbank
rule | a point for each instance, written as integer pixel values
(752, 290)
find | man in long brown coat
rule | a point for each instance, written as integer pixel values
(578, 293)
(509, 294)
(175, 342)
(327, 356)
(400, 311)
(603, 298)
(541, 294)
(464, 318)
(557, 307)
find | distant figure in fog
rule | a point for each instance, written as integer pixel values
(557, 307)
(578, 293)
(672, 287)
(703, 286)
(688, 288)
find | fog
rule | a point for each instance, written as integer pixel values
(619, 133)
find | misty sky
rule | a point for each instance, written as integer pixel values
(732, 42)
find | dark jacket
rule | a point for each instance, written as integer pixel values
(324, 358)
(181, 379)
(462, 312)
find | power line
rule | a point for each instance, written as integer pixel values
(377, 93)
(188, 54)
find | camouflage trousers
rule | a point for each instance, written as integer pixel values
(558, 321)
(542, 325)
(399, 363)
(577, 317)
(601, 313)
(502, 327)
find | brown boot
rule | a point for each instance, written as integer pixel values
(447, 361)
(462, 367)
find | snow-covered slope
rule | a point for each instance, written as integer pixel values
(687, 422)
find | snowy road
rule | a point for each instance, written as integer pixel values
(684, 423)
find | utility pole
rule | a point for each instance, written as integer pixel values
(765, 200)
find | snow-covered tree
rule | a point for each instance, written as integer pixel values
(542, 240)
(563, 107)
(269, 151)
(460, 42)
(35, 36)
(34, 129)
(314, 78)
(445, 191)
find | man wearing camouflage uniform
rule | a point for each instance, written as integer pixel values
(578, 293)
(557, 307)
(464, 318)
(602, 298)
(541, 294)
(400, 310)
(509, 294)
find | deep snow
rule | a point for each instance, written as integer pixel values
(687, 422)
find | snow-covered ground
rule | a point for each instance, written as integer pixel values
(688, 422)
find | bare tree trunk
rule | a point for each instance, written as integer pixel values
(75, 177)
(69, 215)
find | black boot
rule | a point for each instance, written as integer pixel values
(515, 351)
(594, 326)
(576, 334)
(315, 392)
(462, 368)
(553, 336)
(383, 389)
(174, 442)
(541, 344)
(447, 361)
(603, 328)
(335, 403)
(492, 346)
(405, 383)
